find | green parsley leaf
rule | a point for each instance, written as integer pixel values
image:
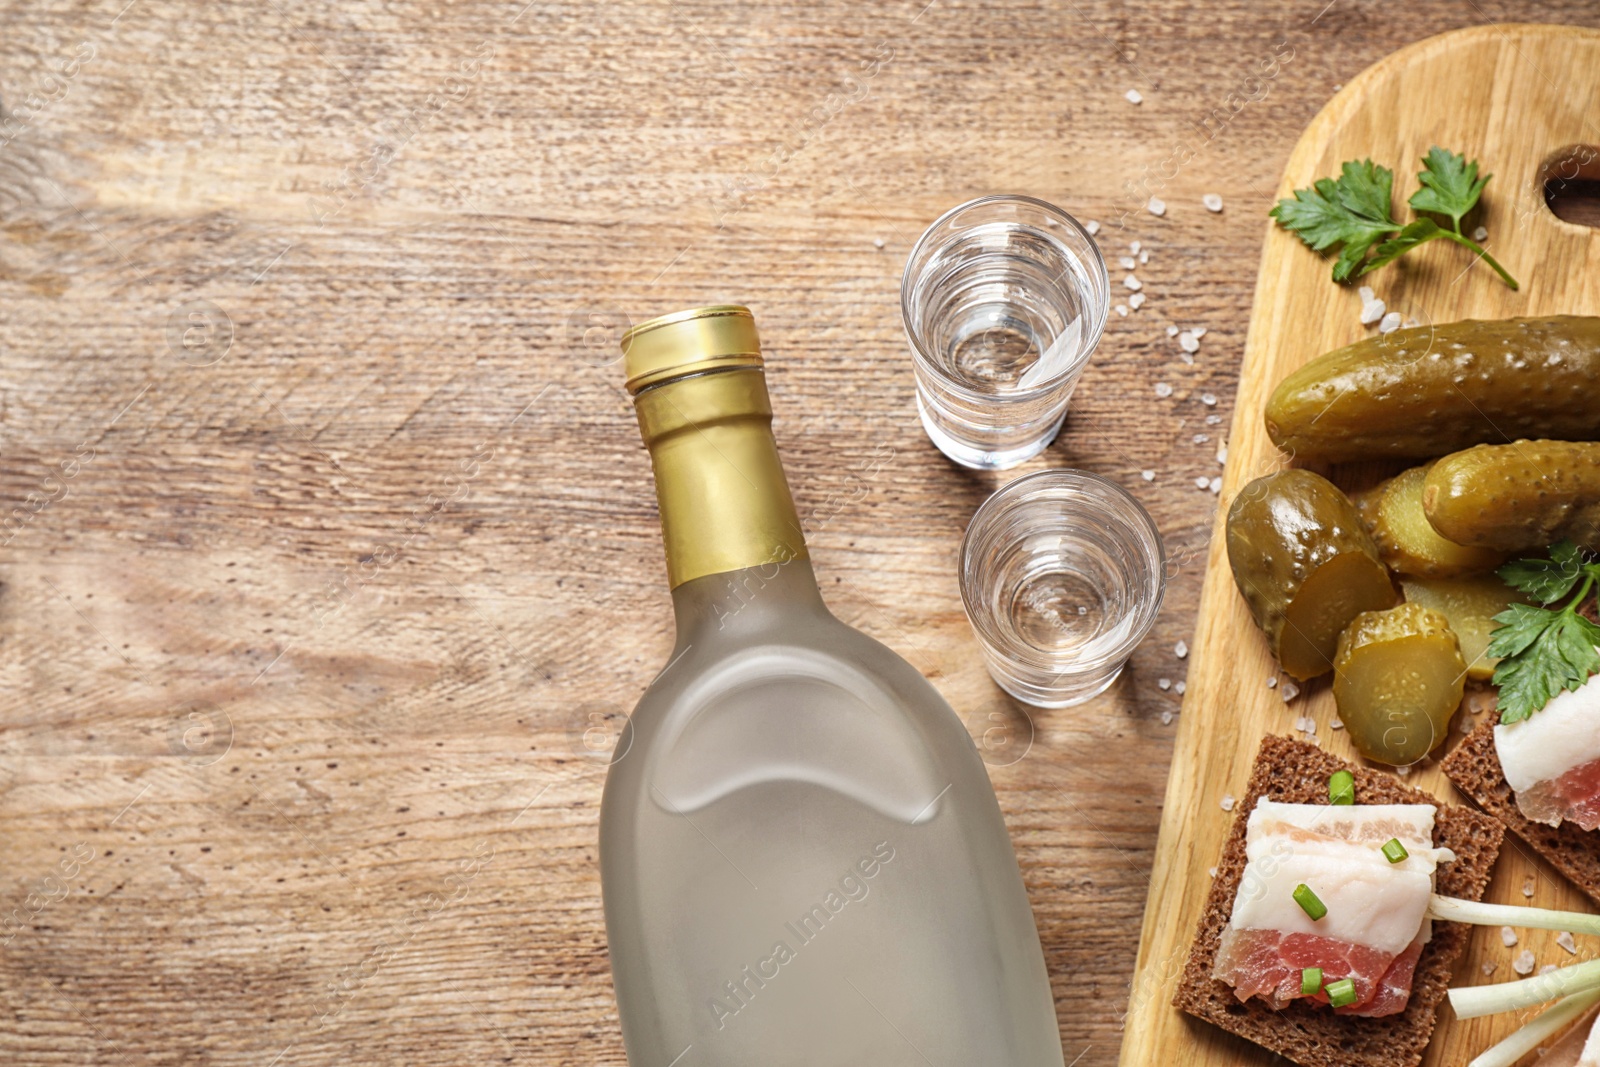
(1353, 210)
(1450, 185)
(1544, 651)
(1416, 233)
(1546, 580)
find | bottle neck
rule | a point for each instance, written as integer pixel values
(725, 505)
(745, 602)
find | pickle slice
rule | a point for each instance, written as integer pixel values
(1397, 679)
(1407, 541)
(1469, 605)
(1305, 566)
(1521, 497)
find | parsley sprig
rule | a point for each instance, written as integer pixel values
(1544, 651)
(1353, 211)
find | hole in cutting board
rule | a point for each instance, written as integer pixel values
(1571, 182)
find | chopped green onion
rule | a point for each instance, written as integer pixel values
(1311, 981)
(1341, 992)
(1394, 851)
(1342, 788)
(1309, 903)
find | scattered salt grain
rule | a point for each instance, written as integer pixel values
(1201, 438)
(1523, 964)
(1164, 684)
(1227, 802)
(1548, 968)
(1565, 941)
(1134, 246)
(1187, 358)
(1136, 301)
(1181, 650)
(1144, 257)
(1128, 262)
(1212, 871)
(1371, 311)
(1172, 331)
(1122, 309)
(1208, 399)
(1288, 690)
(1213, 202)
(1199, 332)
(1336, 724)
(1487, 969)
(1336, 88)
(1306, 724)
(1092, 226)
(877, 242)
(1365, 293)
(1480, 233)
(1130, 282)
(1508, 936)
(1148, 476)
(1132, 96)
(1188, 342)
(1222, 453)
(1409, 323)
(1163, 389)
(1157, 206)
(1390, 323)
(1180, 687)
(1166, 718)
(1202, 482)
(1213, 420)
(1216, 486)
(1272, 683)
(1527, 886)
(1402, 771)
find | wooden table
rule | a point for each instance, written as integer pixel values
(331, 567)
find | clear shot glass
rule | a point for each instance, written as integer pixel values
(1004, 299)
(1061, 576)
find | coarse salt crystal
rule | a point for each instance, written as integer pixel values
(1336, 724)
(1164, 684)
(1181, 650)
(1157, 206)
(1409, 323)
(1201, 438)
(1222, 453)
(1402, 771)
(1288, 690)
(877, 242)
(1527, 886)
(1172, 331)
(1199, 332)
(1365, 292)
(1390, 323)
(1092, 226)
(1212, 871)
(1227, 802)
(1202, 482)
(1144, 257)
(1163, 389)
(1480, 233)
(1306, 724)
(1213, 420)
(1371, 311)
(1134, 246)
(1187, 358)
(1148, 476)
(1213, 202)
(1216, 486)
(1166, 718)
(1180, 687)
(1130, 282)
(1208, 399)
(1272, 683)
(1128, 262)
(1487, 969)
(1132, 96)
(1565, 941)
(1548, 968)
(1136, 301)
(1508, 936)
(1122, 309)
(1188, 342)
(1523, 964)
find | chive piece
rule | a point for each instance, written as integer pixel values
(1341, 992)
(1311, 981)
(1394, 851)
(1342, 788)
(1309, 903)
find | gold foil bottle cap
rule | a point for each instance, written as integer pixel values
(690, 342)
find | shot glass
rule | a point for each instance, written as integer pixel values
(1061, 577)
(1004, 298)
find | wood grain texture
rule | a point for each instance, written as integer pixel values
(330, 564)
(1511, 97)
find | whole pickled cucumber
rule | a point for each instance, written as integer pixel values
(1398, 678)
(1435, 389)
(1520, 497)
(1305, 565)
(1407, 542)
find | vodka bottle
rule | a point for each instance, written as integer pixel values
(802, 857)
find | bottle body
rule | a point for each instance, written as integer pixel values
(803, 859)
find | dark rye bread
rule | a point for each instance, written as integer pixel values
(1474, 767)
(1311, 1034)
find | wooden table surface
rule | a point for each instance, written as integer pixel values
(330, 567)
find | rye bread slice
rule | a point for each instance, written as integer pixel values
(1311, 1034)
(1474, 767)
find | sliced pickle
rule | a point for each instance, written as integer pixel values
(1397, 679)
(1305, 566)
(1407, 541)
(1469, 605)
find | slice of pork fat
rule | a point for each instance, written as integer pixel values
(1551, 759)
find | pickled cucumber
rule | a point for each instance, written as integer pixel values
(1520, 497)
(1305, 566)
(1407, 542)
(1397, 679)
(1469, 605)
(1430, 390)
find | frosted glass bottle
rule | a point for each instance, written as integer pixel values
(802, 858)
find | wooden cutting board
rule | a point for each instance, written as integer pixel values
(1514, 97)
